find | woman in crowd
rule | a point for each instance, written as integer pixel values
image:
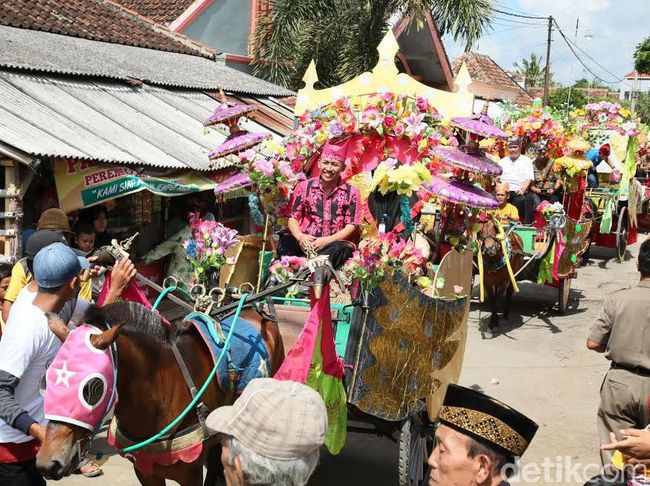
(98, 217)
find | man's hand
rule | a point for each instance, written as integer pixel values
(37, 431)
(521, 191)
(635, 444)
(306, 241)
(122, 274)
(320, 243)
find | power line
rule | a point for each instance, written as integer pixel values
(569, 44)
(515, 10)
(534, 17)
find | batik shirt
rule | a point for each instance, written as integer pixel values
(320, 214)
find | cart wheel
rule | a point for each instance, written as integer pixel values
(564, 289)
(415, 446)
(622, 233)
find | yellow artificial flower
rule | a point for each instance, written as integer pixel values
(422, 172)
(422, 144)
(424, 282)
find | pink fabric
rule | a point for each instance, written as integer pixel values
(320, 214)
(132, 293)
(560, 245)
(76, 363)
(299, 358)
(145, 461)
(332, 151)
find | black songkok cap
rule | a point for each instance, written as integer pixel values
(487, 420)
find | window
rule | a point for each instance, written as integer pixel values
(626, 95)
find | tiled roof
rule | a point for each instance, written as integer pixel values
(632, 75)
(98, 20)
(163, 11)
(483, 68)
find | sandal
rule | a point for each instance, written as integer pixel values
(89, 469)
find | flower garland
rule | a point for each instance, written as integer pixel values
(605, 115)
(540, 127)
(377, 254)
(206, 250)
(381, 116)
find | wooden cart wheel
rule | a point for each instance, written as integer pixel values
(622, 234)
(564, 289)
(415, 446)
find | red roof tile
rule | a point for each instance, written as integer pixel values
(163, 11)
(99, 20)
(632, 75)
(483, 68)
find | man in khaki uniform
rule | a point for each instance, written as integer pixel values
(622, 332)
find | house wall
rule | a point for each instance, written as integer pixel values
(642, 85)
(225, 25)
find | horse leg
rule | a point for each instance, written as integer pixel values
(506, 312)
(148, 480)
(214, 475)
(494, 316)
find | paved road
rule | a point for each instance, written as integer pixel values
(538, 363)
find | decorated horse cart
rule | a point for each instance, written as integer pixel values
(614, 203)
(400, 304)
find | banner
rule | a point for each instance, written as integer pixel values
(82, 184)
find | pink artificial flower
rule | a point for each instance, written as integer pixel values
(422, 103)
(265, 166)
(387, 97)
(399, 129)
(285, 169)
(372, 116)
(389, 121)
(458, 289)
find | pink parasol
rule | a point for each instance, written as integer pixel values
(237, 181)
(479, 124)
(228, 111)
(473, 161)
(238, 143)
(460, 193)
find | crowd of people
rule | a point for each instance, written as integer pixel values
(525, 183)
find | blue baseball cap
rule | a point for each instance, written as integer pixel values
(56, 264)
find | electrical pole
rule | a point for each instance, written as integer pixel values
(547, 73)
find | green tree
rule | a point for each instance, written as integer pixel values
(642, 56)
(643, 108)
(342, 35)
(532, 69)
(559, 99)
(585, 83)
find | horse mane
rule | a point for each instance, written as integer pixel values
(138, 318)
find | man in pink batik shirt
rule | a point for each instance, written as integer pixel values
(325, 212)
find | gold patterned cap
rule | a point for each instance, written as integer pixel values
(487, 420)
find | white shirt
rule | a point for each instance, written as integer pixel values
(516, 172)
(27, 348)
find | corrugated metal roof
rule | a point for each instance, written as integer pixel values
(54, 53)
(51, 117)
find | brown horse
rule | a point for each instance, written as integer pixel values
(151, 388)
(496, 278)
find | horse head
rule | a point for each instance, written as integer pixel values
(490, 239)
(80, 389)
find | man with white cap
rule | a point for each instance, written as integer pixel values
(518, 173)
(272, 434)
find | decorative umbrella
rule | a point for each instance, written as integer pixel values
(479, 124)
(228, 111)
(237, 181)
(460, 193)
(475, 162)
(238, 143)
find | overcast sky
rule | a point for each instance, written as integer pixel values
(617, 26)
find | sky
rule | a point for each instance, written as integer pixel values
(616, 27)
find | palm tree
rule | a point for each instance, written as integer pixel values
(342, 35)
(532, 70)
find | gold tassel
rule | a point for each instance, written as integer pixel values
(481, 283)
(502, 237)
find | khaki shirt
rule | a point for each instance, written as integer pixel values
(624, 324)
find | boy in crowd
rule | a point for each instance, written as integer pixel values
(506, 212)
(84, 237)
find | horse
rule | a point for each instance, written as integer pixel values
(151, 388)
(496, 277)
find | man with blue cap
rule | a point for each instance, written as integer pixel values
(27, 348)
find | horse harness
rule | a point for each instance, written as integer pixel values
(501, 263)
